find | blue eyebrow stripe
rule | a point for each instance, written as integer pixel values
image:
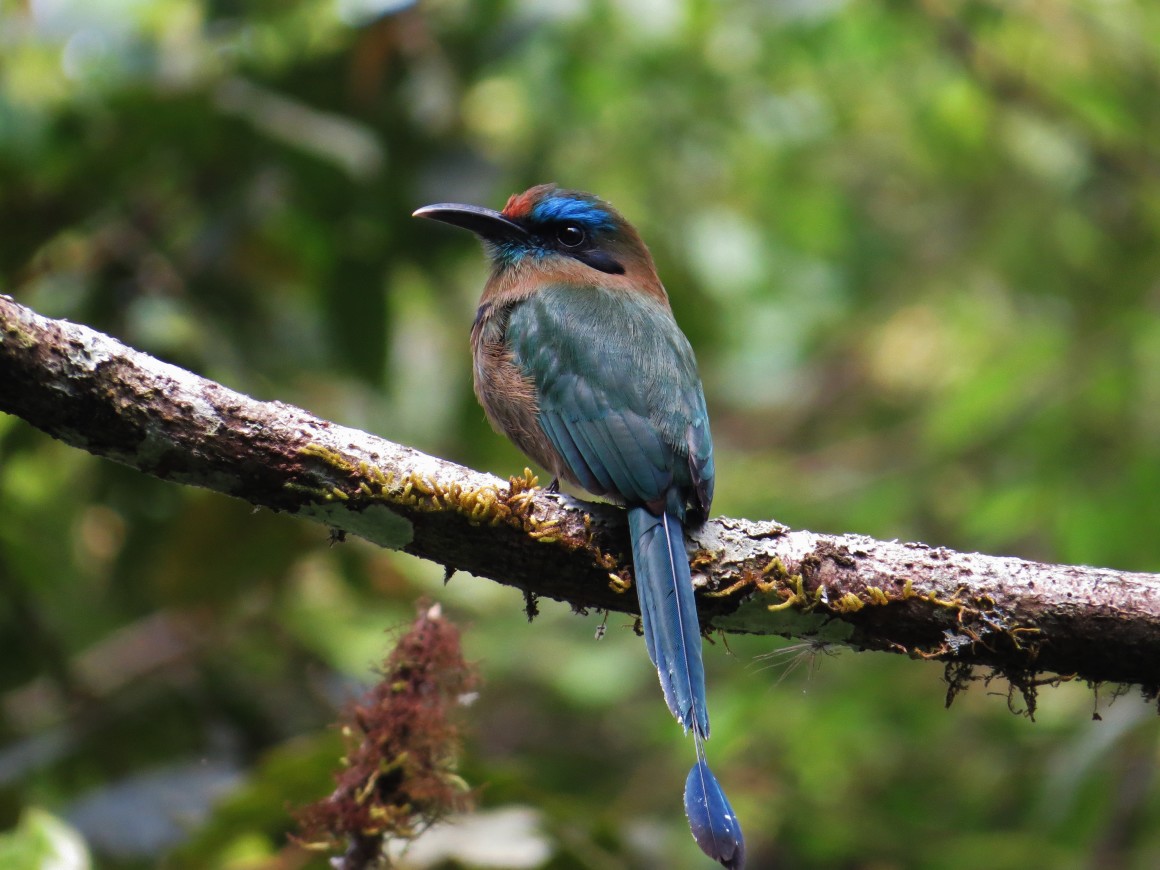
(562, 208)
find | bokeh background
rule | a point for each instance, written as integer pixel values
(915, 246)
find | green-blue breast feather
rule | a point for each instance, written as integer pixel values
(628, 417)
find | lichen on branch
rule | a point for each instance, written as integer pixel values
(1018, 618)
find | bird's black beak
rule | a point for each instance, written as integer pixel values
(488, 224)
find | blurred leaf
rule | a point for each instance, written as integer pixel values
(43, 842)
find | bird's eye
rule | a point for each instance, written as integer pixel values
(570, 236)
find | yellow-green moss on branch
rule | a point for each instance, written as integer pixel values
(966, 609)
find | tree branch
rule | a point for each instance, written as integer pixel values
(1019, 618)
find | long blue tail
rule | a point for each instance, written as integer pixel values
(668, 614)
(672, 634)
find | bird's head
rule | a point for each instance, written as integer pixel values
(552, 228)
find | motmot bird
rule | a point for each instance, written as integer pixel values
(579, 361)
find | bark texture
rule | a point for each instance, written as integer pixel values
(1021, 619)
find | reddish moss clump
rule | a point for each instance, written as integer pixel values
(398, 775)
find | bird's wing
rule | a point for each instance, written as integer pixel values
(619, 394)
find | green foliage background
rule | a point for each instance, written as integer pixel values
(915, 246)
